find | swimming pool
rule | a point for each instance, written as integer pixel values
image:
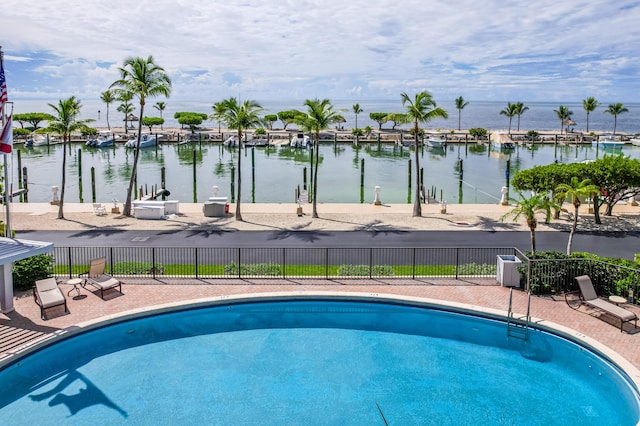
(319, 361)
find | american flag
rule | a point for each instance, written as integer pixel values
(3, 86)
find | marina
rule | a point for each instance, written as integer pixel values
(461, 173)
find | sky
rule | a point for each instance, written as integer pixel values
(502, 50)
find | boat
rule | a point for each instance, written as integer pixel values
(608, 140)
(147, 140)
(257, 142)
(635, 141)
(38, 140)
(436, 140)
(105, 139)
(502, 141)
(231, 142)
(299, 141)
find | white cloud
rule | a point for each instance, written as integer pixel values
(543, 50)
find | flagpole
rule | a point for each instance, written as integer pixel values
(7, 198)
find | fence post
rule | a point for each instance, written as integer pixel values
(457, 261)
(370, 262)
(326, 263)
(153, 262)
(284, 262)
(239, 260)
(70, 264)
(413, 266)
(197, 266)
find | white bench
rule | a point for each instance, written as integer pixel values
(148, 212)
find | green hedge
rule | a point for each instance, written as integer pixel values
(27, 271)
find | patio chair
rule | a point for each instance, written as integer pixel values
(98, 279)
(47, 294)
(99, 209)
(591, 299)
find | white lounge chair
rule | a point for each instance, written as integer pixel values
(98, 279)
(47, 294)
(590, 298)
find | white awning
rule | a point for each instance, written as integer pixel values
(12, 249)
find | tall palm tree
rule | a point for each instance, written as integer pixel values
(520, 109)
(319, 116)
(510, 111)
(218, 112)
(528, 208)
(64, 123)
(460, 105)
(421, 109)
(615, 109)
(125, 107)
(357, 110)
(108, 98)
(575, 190)
(240, 116)
(590, 104)
(143, 79)
(160, 106)
(564, 114)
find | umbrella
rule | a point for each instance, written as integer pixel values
(568, 122)
(131, 117)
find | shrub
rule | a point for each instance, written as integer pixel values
(477, 269)
(357, 132)
(266, 269)
(27, 271)
(260, 131)
(136, 268)
(478, 132)
(364, 271)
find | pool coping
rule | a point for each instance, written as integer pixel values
(632, 373)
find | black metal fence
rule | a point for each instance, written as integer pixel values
(556, 276)
(287, 263)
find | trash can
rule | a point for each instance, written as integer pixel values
(507, 270)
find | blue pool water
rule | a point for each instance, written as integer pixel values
(315, 362)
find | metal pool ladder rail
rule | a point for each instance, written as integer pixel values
(514, 329)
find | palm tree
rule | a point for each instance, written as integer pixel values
(564, 114)
(575, 190)
(520, 109)
(590, 104)
(108, 98)
(529, 207)
(460, 104)
(125, 107)
(65, 122)
(421, 109)
(357, 110)
(142, 78)
(240, 116)
(160, 106)
(319, 116)
(510, 111)
(218, 112)
(615, 109)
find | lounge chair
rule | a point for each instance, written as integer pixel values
(47, 295)
(590, 298)
(98, 279)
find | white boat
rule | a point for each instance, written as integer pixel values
(231, 142)
(300, 141)
(502, 141)
(436, 140)
(147, 140)
(608, 140)
(105, 139)
(38, 140)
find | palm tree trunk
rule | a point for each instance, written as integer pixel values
(64, 177)
(417, 206)
(316, 143)
(239, 190)
(533, 241)
(574, 226)
(126, 211)
(587, 121)
(459, 114)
